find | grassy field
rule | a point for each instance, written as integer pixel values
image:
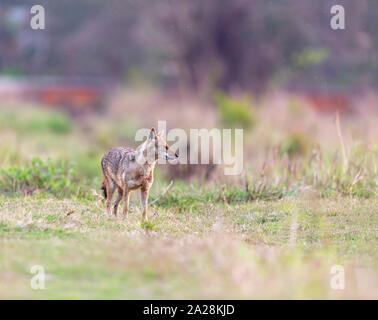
(276, 232)
(266, 249)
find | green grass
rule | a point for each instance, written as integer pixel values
(215, 251)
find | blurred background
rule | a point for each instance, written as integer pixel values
(103, 69)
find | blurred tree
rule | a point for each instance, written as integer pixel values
(239, 44)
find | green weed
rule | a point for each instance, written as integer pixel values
(37, 175)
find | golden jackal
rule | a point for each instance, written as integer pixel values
(125, 170)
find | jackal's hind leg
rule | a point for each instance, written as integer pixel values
(110, 188)
(118, 200)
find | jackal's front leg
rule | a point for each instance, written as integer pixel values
(126, 199)
(144, 200)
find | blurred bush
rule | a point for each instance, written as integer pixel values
(295, 107)
(9, 154)
(54, 122)
(88, 164)
(235, 112)
(310, 57)
(37, 120)
(295, 144)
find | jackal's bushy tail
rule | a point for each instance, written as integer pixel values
(104, 190)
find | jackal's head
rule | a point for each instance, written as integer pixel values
(158, 148)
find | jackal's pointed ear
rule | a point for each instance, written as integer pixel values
(152, 134)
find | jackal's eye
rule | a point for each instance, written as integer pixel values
(166, 148)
